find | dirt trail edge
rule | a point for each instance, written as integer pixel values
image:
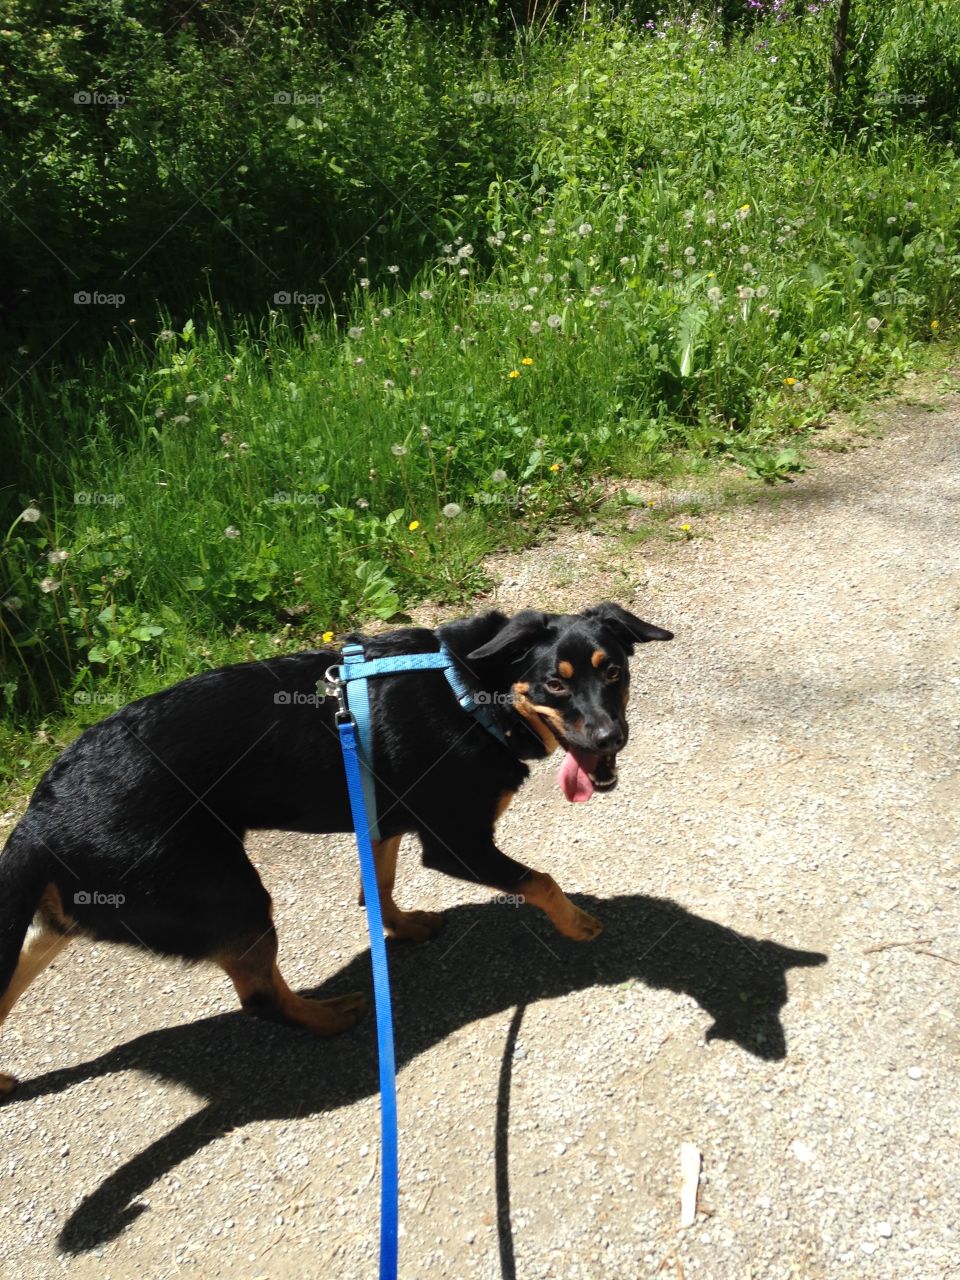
(777, 982)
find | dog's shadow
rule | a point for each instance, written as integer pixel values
(486, 959)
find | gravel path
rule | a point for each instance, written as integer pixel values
(787, 806)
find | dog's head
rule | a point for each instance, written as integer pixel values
(568, 678)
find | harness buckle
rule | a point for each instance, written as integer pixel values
(335, 689)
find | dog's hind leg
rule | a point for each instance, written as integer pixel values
(417, 926)
(251, 965)
(44, 941)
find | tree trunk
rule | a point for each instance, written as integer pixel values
(838, 55)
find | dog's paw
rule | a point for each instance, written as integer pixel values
(580, 926)
(7, 1084)
(414, 926)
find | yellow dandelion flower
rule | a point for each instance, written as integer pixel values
(526, 360)
(327, 637)
(554, 466)
(514, 373)
(684, 528)
(789, 382)
(413, 525)
(934, 325)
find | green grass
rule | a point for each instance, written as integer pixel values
(682, 268)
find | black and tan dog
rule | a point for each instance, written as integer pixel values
(136, 832)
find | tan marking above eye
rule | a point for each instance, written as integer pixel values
(565, 669)
(597, 657)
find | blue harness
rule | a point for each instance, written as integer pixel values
(353, 724)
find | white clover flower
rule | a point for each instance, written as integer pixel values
(231, 532)
(451, 510)
(30, 515)
(394, 269)
(364, 282)
(463, 272)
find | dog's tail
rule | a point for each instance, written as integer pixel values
(24, 874)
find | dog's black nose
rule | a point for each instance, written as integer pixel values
(610, 738)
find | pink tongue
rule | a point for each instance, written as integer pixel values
(573, 779)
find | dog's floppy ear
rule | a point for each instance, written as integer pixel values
(627, 627)
(517, 633)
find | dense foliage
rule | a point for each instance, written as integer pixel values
(311, 306)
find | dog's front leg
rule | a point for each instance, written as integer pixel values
(416, 926)
(486, 864)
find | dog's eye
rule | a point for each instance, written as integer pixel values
(611, 674)
(553, 685)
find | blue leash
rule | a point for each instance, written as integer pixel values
(389, 1190)
(353, 723)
